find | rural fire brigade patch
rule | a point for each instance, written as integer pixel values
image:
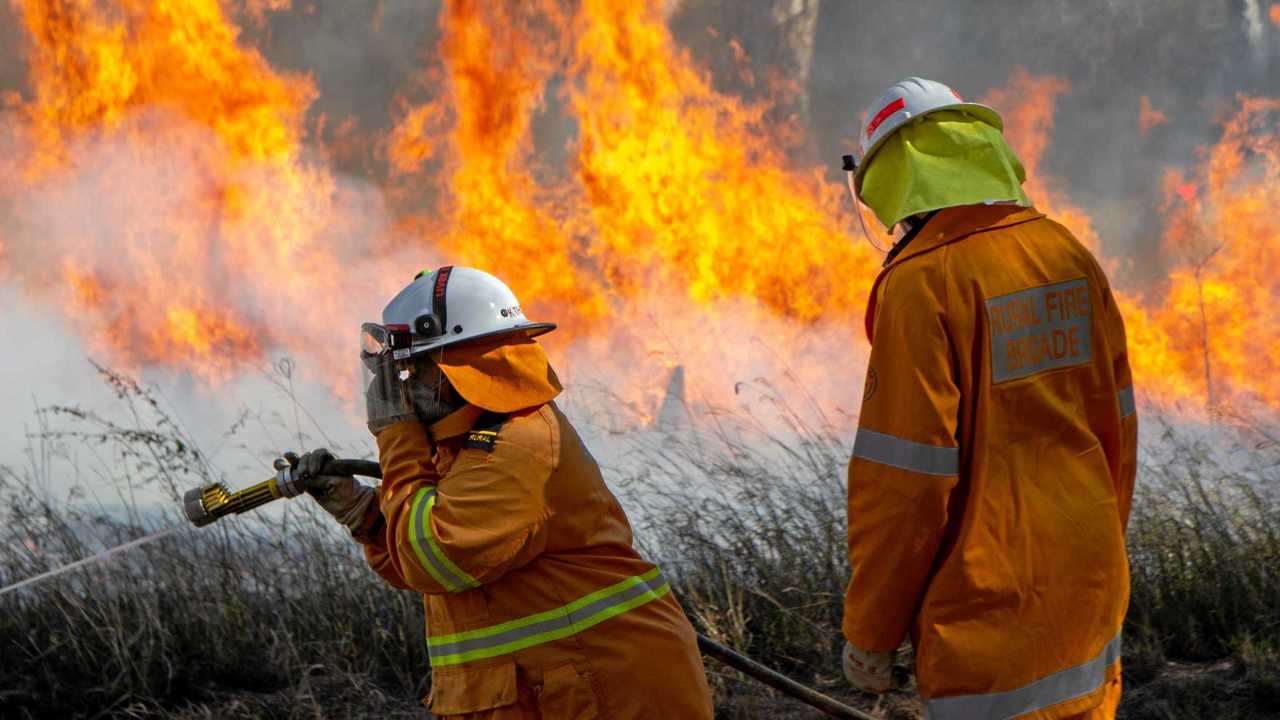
(484, 434)
(1043, 328)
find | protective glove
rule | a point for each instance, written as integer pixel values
(870, 672)
(342, 496)
(386, 400)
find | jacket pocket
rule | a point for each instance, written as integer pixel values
(568, 694)
(472, 688)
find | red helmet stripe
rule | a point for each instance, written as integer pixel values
(884, 114)
(438, 307)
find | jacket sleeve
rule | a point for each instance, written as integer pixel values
(905, 460)
(373, 537)
(1126, 469)
(487, 516)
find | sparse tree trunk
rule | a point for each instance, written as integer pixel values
(1204, 329)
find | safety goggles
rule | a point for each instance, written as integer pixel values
(376, 341)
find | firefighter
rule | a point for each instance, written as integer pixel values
(995, 456)
(537, 604)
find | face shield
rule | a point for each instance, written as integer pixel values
(397, 384)
(859, 208)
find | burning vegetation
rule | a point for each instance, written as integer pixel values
(179, 200)
(163, 188)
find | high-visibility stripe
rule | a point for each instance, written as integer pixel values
(1127, 404)
(428, 551)
(561, 622)
(1057, 688)
(884, 114)
(905, 454)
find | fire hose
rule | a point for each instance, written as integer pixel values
(208, 503)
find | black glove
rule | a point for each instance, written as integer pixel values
(342, 496)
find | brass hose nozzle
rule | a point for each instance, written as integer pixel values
(208, 503)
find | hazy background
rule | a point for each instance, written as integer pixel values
(1189, 57)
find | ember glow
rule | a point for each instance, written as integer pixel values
(159, 184)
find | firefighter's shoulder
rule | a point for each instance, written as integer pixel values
(530, 433)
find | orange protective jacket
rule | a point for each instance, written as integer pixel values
(537, 604)
(993, 468)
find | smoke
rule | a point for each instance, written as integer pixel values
(362, 56)
(87, 234)
(823, 61)
(1147, 85)
(1188, 57)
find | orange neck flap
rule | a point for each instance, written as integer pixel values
(502, 375)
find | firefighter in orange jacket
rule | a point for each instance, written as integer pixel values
(537, 604)
(995, 456)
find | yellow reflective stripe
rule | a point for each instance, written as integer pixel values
(571, 619)
(430, 556)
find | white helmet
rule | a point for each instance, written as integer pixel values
(453, 305)
(906, 100)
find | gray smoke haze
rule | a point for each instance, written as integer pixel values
(1189, 57)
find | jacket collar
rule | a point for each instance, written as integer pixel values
(906, 240)
(455, 423)
(947, 226)
(955, 223)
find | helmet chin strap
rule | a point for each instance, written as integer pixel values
(433, 397)
(910, 223)
(911, 226)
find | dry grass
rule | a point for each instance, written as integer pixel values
(280, 619)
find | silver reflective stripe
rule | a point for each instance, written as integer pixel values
(907, 455)
(1127, 404)
(1057, 688)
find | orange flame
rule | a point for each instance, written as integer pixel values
(497, 60)
(681, 227)
(1209, 334)
(1027, 104)
(1212, 333)
(157, 185)
(689, 185)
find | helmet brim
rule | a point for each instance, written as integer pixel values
(520, 332)
(982, 112)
